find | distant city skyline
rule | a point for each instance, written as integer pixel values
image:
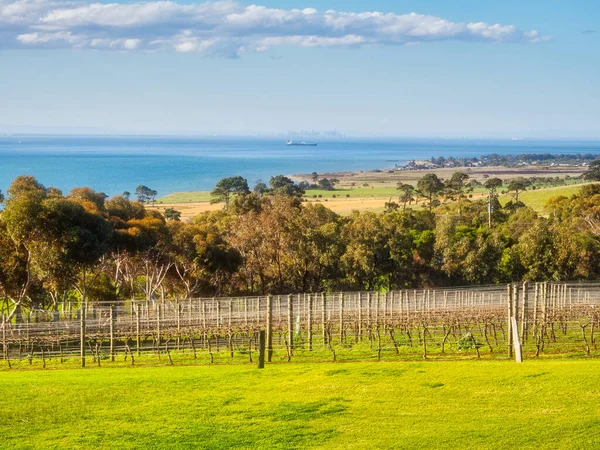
(381, 68)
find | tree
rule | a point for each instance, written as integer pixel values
(492, 185)
(260, 188)
(126, 195)
(455, 186)
(515, 187)
(171, 214)
(284, 186)
(430, 187)
(407, 192)
(91, 200)
(23, 224)
(145, 194)
(593, 172)
(227, 187)
(314, 177)
(326, 184)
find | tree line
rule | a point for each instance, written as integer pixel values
(83, 246)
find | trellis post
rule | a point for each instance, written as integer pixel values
(82, 334)
(290, 301)
(112, 332)
(509, 323)
(269, 328)
(310, 321)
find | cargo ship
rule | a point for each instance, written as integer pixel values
(301, 144)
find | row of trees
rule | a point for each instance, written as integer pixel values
(84, 246)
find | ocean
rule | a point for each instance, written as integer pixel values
(174, 164)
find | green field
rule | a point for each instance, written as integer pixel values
(537, 199)
(474, 404)
(185, 197)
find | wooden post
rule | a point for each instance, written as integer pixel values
(4, 347)
(369, 305)
(261, 349)
(360, 317)
(324, 317)
(178, 306)
(138, 339)
(517, 343)
(515, 305)
(509, 323)
(342, 317)
(269, 328)
(524, 306)
(535, 303)
(310, 321)
(112, 332)
(219, 318)
(158, 327)
(258, 311)
(82, 334)
(290, 301)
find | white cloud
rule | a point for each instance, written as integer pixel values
(225, 28)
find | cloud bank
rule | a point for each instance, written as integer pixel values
(226, 28)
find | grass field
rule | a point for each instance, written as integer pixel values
(371, 198)
(476, 404)
(537, 199)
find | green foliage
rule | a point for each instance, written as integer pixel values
(593, 172)
(171, 214)
(54, 246)
(228, 187)
(144, 194)
(468, 342)
(430, 186)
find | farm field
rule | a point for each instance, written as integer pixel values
(476, 404)
(348, 199)
(537, 199)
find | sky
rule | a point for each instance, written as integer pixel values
(424, 68)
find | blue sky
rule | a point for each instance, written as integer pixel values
(229, 68)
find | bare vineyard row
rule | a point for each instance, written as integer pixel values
(550, 319)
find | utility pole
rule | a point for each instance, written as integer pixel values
(490, 209)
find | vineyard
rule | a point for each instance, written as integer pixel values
(545, 320)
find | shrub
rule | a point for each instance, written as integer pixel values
(468, 342)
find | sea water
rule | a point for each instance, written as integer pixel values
(173, 164)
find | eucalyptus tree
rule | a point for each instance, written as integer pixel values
(228, 187)
(430, 186)
(407, 193)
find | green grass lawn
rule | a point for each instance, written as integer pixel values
(537, 199)
(474, 404)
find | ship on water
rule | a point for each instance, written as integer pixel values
(301, 144)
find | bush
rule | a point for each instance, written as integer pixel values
(320, 195)
(347, 195)
(468, 342)
(334, 196)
